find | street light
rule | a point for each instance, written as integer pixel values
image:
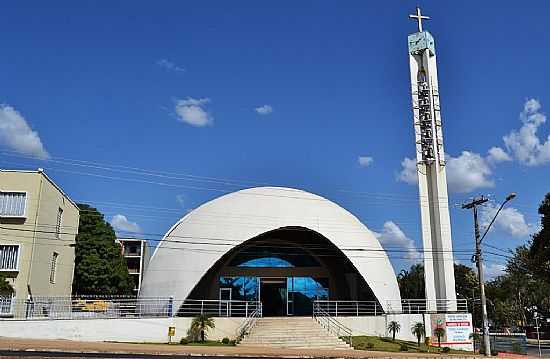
(510, 197)
(479, 261)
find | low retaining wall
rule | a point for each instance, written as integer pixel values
(378, 326)
(146, 330)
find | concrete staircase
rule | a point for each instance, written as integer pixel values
(292, 332)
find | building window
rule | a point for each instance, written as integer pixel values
(12, 204)
(9, 255)
(5, 303)
(53, 267)
(58, 223)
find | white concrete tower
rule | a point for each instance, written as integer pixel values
(432, 180)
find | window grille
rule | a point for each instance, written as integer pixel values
(9, 255)
(5, 304)
(12, 204)
(58, 223)
(53, 267)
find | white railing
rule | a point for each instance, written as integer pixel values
(349, 307)
(417, 306)
(104, 307)
(331, 324)
(247, 325)
(337, 308)
(218, 308)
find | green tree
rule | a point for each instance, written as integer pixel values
(201, 324)
(539, 252)
(517, 289)
(418, 331)
(466, 281)
(5, 286)
(99, 265)
(411, 282)
(439, 333)
(394, 327)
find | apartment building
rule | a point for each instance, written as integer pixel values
(38, 226)
(136, 253)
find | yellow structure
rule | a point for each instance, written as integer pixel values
(38, 226)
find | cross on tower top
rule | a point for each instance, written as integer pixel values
(419, 17)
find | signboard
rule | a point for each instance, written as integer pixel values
(171, 333)
(458, 328)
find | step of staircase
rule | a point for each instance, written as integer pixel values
(292, 332)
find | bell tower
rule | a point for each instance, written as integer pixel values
(432, 180)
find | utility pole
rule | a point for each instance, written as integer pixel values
(479, 261)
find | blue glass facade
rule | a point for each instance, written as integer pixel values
(286, 296)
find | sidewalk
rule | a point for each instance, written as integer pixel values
(175, 349)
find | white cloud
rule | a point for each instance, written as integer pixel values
(264, 110)
(468, 172)
(16, 134)
(496, 155)
(121, 223)
(365, 161)
(169, 65)
(524, 143)
(192, 112)
(392, 237)
(509, 220)
(181, 200)
(465, 173)
(408, 172)
(493, 270)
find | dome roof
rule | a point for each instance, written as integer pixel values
(204, 235)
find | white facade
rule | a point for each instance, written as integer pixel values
(432, 180)
(201, 238)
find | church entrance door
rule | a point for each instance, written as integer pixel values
(273, 296)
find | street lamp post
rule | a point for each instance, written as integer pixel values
(479, 261)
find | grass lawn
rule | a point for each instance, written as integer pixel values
(387, 345)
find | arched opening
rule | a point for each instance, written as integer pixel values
(286, 269)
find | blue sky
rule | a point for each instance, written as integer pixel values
(281, 93)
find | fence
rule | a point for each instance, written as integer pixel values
(406, 306)
(104, 307)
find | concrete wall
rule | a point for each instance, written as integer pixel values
(154, 330)
(377, 325)
(43, 201)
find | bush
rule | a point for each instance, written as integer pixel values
(225, 340)
(370, 345)
(184, 341)
(232, 342)
(403, 348)
(446, 349)
(360, 346)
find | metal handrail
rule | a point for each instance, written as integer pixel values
(331, 324)
(338, 308)
(246, 326)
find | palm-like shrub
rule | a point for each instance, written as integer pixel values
(439, 332)
(201, 323)
(418, 331)
(394, 327)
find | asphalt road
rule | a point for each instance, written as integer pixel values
(533, 350)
